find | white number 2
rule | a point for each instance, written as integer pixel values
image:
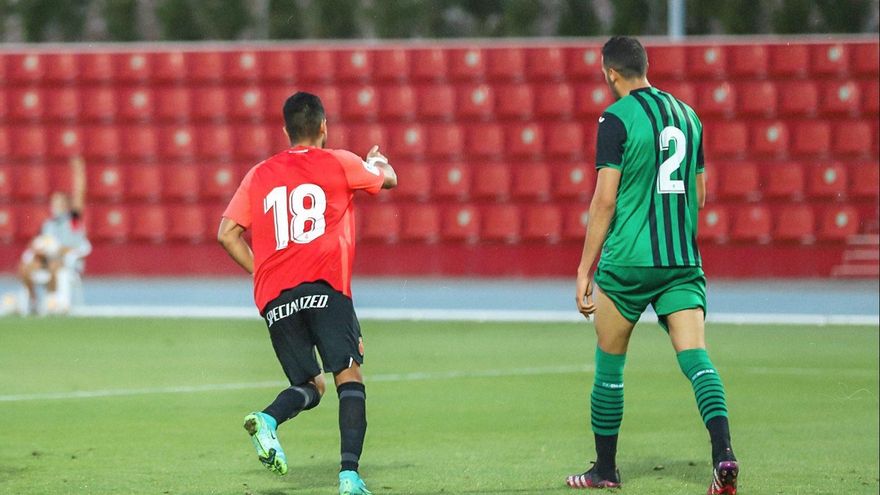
(665, 183)
(287, 230)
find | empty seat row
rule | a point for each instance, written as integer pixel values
(752, 181)
(789, 223)
(478, 62)
(799, 138)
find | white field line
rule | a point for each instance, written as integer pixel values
(488, 315)
(393, 377)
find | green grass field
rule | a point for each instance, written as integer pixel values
(454, 408)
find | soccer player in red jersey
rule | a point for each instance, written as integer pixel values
(298, 206)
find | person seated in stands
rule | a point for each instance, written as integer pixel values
(54, 260)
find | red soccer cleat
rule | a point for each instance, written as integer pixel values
(724, 478)
(592, 479)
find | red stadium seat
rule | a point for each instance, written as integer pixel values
(546, 63)
(168, 66)
(491, 181)
(5, 181)
(475, 102)
(812, 138)
(554, 100)
(838, 222)
(61, 67)
(176, 142)
(209, 104)
(585, 63)
(445, 140)
(524, 141)
(500, 223)
(726, 139)
(865, 180)
(109, 223)
(381, 223)
(180, 182)
(187, 223)
(173, 104)
(574, 222)
(219, 182)
(865, 58)
(252, 142)
(574, 180)
(564, 140)
(329, 97)
(828, 181)
(25, 68)
(798, 98)
(278, 66)
(716, 99)
(436, 102)
(533, 181)
(789, 59)
(841, 98)
(353, 65)
(29, 220)
(3, 108)
(417, 184)
(205, 66)
(592, 100)
(247, 104)
(784, 180)
(466, 64)
(795, 223)
(397, 102)
(748, 60)
(105, 182)
(667, 61)
(485, 140)
(316, 66)
(98, 104)
(740, 180)
(96, 67)
(769, 139)
(756, 99)
(460, 223)
(31, 182)
(65, 142)
(360, 103)
(751, 224)
(102, 142)
(711, 178)
(28, 143)
(144, 183)
(135, 67)
(706, 61)
(242, 66)
(428, 64)
(4, 144)
(25, 104)
(407, 141)
(505, 64)
(214, 142)
(714, 224)
(150, 224)
(364, 137)
(829, 59)
(140, 142)
(452, 181)
(391, 64)
(135, 104)
(420, 223)
(682, 91)
(541, 223)
(61, 105)
(514, 101)
(853, 138)
(7, 224)
(871, 94)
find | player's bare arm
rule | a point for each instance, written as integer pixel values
(701, 190)
(230, 237)
(381, 162)
(601, 212)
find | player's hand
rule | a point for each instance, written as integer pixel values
(584, 295)
(374, 154)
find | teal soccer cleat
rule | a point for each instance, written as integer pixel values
(350, 483)
(262, 431)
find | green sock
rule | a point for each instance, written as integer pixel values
(709, 390)
(606, 400)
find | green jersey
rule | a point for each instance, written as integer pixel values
(656, 142)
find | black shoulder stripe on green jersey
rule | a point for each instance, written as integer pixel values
(652, 213)
(666, 198)
(681, 200)
(692, 126)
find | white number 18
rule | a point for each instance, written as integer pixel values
(286, 230)
(665, 183)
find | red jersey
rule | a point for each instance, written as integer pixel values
(298, 205)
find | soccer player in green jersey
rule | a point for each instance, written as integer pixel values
(643, 218)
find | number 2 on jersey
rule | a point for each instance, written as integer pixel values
(665, 183)
(295, 229)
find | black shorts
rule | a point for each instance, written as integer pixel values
(309, 316)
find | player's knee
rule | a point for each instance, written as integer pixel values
(320, 385)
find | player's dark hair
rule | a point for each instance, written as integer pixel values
(303, 114)
(625, 55)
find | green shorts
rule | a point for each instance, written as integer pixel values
(668, 290)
